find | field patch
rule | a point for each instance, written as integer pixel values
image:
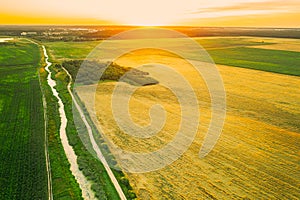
(5, 39)
(70, 50)
(283, 47)
(230, 42)
(22, 154)
(19, 53)
(284, 62)
(283, 44)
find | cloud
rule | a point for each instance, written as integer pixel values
(283, 20)
(247, 8)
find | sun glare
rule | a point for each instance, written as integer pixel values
(145, 21)
(145, 13)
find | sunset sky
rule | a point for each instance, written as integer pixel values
(267, 13)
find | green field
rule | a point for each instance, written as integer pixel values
(23, 172)
(22, 157)
(19, 53)
(283, 62)
(23, 175)
(244, 52)
(70, 50)
(238, 52)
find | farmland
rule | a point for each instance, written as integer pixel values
(23, 172)
(257, 155)
(284, 62)
(24, 141)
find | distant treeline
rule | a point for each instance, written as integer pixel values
(91, 70)
(240, 31)
(90, 33)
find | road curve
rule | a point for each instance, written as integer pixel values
(94, 144)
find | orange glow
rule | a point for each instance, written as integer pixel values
(153, 13)
(40, 20)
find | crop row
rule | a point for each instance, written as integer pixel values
(22, 160)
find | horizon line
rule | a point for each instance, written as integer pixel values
(125, 25)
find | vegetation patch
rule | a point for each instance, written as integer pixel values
(91, 167)
(63, 182)
(109, 71)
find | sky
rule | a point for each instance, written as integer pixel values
(258, 13)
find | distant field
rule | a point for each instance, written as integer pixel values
(79, 50)
(70, 50)
(230, 42)
(280, 44)
(22, 157)
(257, 156)
(284, 62)
(18, 52)
(245, 52)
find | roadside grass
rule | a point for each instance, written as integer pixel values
(91, 167)
(64, 183)
(23, 172)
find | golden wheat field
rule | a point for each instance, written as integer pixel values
(257, 155)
